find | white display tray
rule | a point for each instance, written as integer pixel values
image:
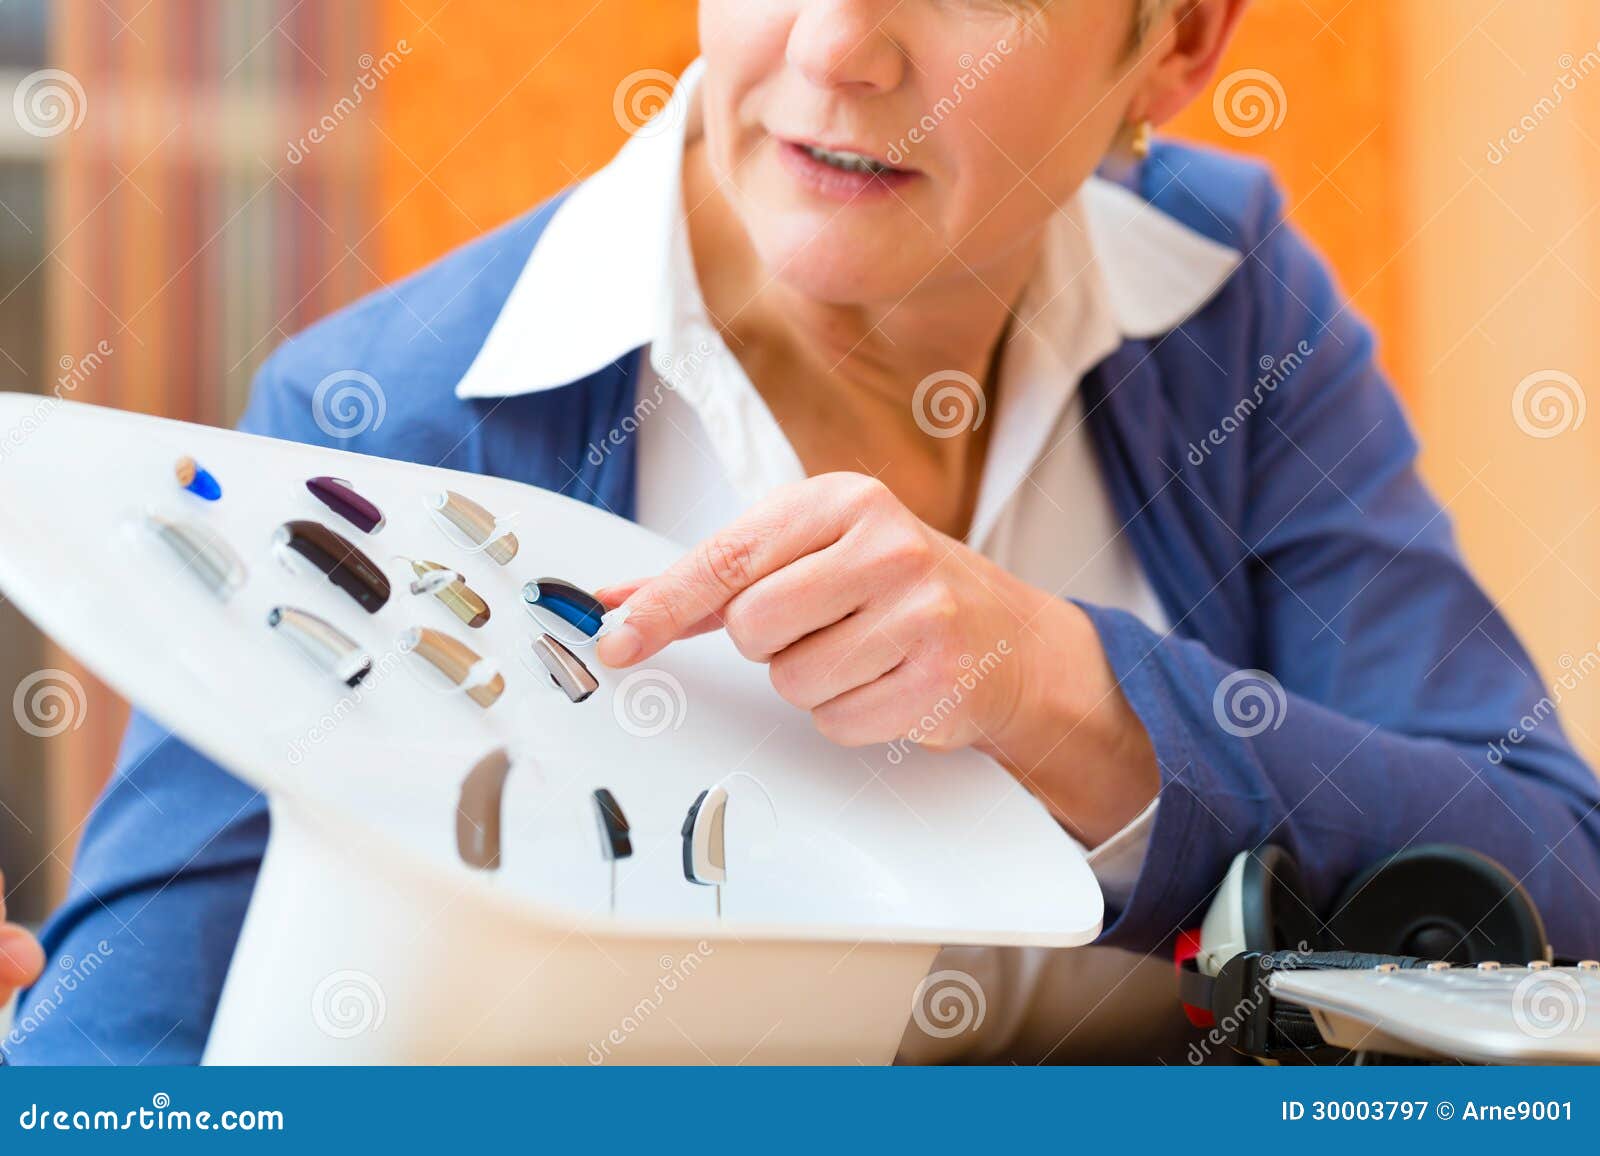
(833, 908)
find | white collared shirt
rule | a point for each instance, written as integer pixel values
(613, 273)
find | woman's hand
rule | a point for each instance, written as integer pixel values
(21, 959)
(885, 629)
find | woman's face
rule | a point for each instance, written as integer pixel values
(876, 147)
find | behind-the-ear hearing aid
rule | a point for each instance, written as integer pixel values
(705, 833)
(346, 566)
(450, 588)
(478, 811)
(326, 645)
(615, 839)
(568, 612)
(566, 669)
(458, 662)
(202, 553)
(459, 517)
(341, 497)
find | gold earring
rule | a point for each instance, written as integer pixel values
(1143, 133)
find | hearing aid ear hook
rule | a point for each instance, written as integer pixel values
(470, 527)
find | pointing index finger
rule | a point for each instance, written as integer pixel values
(781, 528)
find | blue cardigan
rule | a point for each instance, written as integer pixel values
(1281, 523)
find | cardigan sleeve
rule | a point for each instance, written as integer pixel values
(1387, 704)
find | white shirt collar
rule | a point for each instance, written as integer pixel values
(604, 278)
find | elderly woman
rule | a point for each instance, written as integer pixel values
(898, 321)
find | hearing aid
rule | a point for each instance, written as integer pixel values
(197, 480)
(450, 588)
(326, 645)
(478, 811)
(483, 531)
(345, 565)
(705, 858)
(566, 669)
(569, 612)
(341, 497)
(202, 553)
(458, 662)
(705, 833)
(615, 840)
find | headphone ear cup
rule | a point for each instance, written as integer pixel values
(1260, 906)
(1439, 902)
(1277, 915)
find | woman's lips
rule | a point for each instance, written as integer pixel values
(837, 184)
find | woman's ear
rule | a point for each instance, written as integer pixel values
(1180, 54)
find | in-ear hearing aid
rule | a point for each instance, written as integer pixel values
(615, 841)
(458, 662)
(345, 565)
(450, 588)
(566, 669)
(341, 497)
(197, 479)
(326, 645)
(482, 530)
(202, 553)
(478, 811)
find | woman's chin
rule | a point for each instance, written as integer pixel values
(839, 272)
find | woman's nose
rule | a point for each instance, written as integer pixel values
(846, 44)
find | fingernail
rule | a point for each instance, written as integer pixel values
(620, 646)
